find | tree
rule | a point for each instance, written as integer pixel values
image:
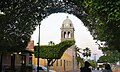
(53, 52)
(86, 52)
(16, 26)
(107, 29)
(101, 17)
(110, 56)
(51, 43)
(81, 61)
(92, 63)
(104, 18)
(78, 52)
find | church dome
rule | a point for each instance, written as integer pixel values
(67, 23)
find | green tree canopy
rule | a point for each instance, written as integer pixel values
(102, 18)
(110, 56)
(55, 51)
(17, 24)
(92, 63)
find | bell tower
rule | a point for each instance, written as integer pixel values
(67, 30)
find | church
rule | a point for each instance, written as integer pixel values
(68, 61)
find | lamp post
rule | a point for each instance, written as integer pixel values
(95, 59)
(38, 49)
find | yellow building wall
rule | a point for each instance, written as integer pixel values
(67, 63)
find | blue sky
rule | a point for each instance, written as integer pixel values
(50, 31)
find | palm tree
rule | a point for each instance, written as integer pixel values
(78, 52)
(51, 43)
(86, 52)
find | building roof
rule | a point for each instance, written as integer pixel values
(67, 23)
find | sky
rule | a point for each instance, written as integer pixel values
(50, 31)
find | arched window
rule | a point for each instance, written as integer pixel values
(65, 35)
(69, 35)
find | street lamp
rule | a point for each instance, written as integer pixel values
(95, 59)
(38, 49)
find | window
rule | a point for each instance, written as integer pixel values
(61, 62)
(69, 35)
(65, 35)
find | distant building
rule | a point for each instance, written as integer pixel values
(17, 59)
(68, 60)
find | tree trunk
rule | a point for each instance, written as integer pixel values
(48, 63)
(1, 56)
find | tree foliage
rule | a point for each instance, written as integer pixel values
(101, 17)
(78, 51)
(106, 14)
(78, 58)
(55, 51)
(86, 52)
(81, 61)
(110, 56)
(17, 24)
(104, 17)
(92, 63)
(52, 51)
